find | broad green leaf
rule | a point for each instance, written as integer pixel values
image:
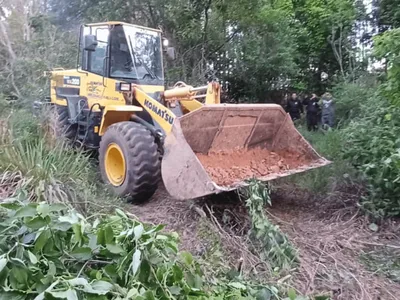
(37, 222)
(82, 253)
(237, 285)
(68, 294)
(62, 226)
(52, 268)
(92, 241)
(72, 218)
(41, 240)
(115, 249)
(32, 257)
(155, 229)
(71, 295)
(178, 274)
(292, 294)
(187, 258)
(12, 204)
(11, 295)
(59, 294)
(136, 261)
(144, 271)
(101, 240)
(138, 231)
(109, 235)
(99, 275)
(26, 211)
(43, 209)
(58, 207)
(77, 232)
(175, 290)
(99, 287)
(20, 274)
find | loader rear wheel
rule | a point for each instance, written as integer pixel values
(63, 128)
(130, 161)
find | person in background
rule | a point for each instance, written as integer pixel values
(312, 109)
(294, 107)
(328, 111)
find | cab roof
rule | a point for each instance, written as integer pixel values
(121, 23)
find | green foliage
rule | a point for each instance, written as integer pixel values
(47, 170)
(50, 251)
(372, 145)
(273, 244)
(351, 96)
(329, 178)
(387, 46)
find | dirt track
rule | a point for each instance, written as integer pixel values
(329, 233)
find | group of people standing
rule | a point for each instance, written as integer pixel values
(317, 111)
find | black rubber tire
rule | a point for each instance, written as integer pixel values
(142, 159)
(63, 128)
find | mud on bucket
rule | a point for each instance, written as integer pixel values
(218, 147)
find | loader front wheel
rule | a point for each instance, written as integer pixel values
(130, 161)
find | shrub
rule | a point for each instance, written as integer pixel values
(372, 145)
(350, 96)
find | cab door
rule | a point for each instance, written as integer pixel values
(96, 86)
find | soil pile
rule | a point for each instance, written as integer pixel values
(230, 167)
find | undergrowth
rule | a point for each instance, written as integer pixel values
(49, 251)
(272, 245)
(43, 168)
(326, 179)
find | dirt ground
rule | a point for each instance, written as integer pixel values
(329, 233)
(229, 167)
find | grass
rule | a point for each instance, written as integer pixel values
(44, 169)
(326, 179)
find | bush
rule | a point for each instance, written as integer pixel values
(50, 251)
(372, 145)
(350, 96)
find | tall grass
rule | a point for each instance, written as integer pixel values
(326, 179)
(47, 169)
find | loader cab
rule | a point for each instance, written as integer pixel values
(123, 52)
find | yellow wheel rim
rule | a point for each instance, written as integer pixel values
(114, 162)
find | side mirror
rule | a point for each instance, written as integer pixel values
(90, 43)
(171, 53)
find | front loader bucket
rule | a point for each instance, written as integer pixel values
(218, 148)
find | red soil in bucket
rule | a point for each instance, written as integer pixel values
(230, 167)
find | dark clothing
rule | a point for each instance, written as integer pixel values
(312, 122)
(312, 109)
(294, 108)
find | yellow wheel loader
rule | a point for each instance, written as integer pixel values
(115, 102)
